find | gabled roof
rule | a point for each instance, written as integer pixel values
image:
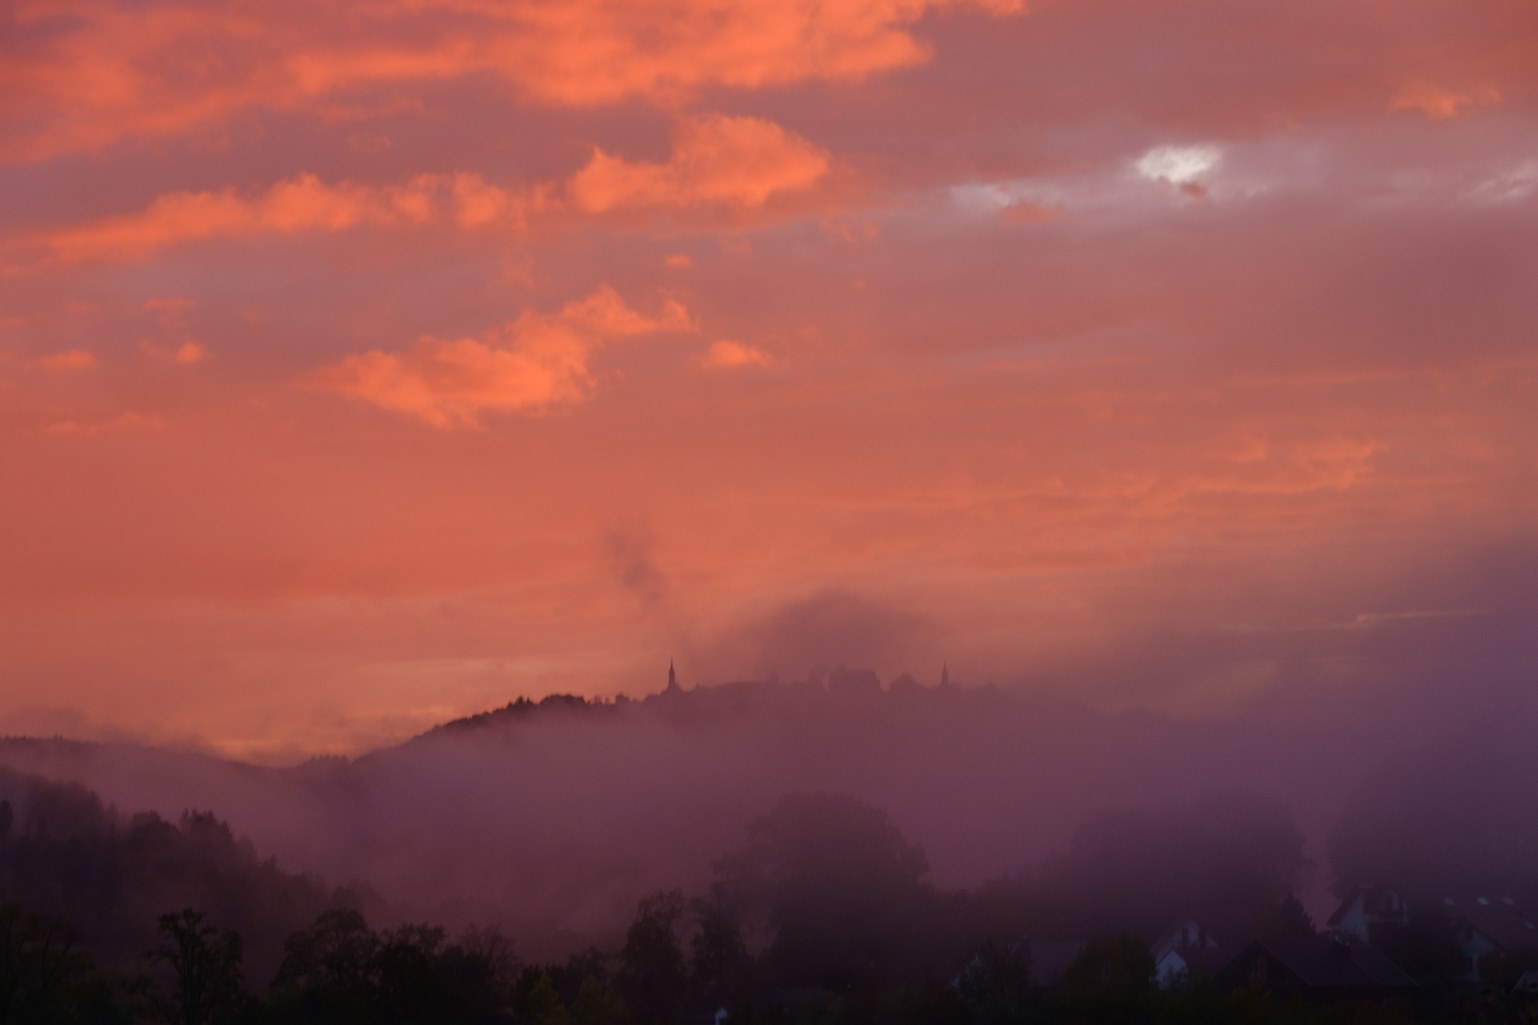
(1201, 962)
(1497, 919)
(1326, 966)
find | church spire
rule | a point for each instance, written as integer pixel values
(945, 674)
(672, 678)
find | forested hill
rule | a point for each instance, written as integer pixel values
(551, 816)
(69, 857)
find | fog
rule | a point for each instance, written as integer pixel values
(551, 819)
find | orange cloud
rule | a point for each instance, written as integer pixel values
(70, 359)
(185, 354)
(156, 70)
(733, 162)
(537, 361)
(601, 51)
(724, 161)
(188, 353)
(303, 203)
(725, 354)
(1439, 104)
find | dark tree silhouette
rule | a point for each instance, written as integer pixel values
(1110, 980)
(719, 959)
(1288, 921)
(328, 969)
(995, 986)
(44, 980)
(841, 888)
(543, 1005)
(205, 963)
(652, 974)
(596, 1004)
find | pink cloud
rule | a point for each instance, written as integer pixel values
(1026, 212)
(536, 362)
(1439, 104)
(188, 353)
(70, 359)
(156, 70)
(716, 162)
(726, 354)
(185, 354)
(300, 204)
(726, 161)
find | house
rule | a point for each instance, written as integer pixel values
(1316, 968)
(1369, 908)
(1489, 925)
(1526, 994)
(1185, 951)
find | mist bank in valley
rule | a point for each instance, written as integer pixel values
(551, 818)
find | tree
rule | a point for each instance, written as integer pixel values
(407, 983)
(44, 980)
(995, 986)
(1288, 920)
(1228, 859)
(596, 1004)
(543, 1005)
(719, 959)
(329, 968)
(1112, 979)
(652, 972)
(206, 965)
(840, 886)
(478, 973)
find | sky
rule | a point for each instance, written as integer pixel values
(367, 364)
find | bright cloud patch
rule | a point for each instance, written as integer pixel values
(1440, 104)
(300, 204)
(1178, 165)
(188, 353)
(106, 72)
(1510, 186)
(538, 361)
(716, 161)
(70, 359)
(726, 355)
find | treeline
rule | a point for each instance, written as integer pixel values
(67, 857)
(680, 962)
(825, 914)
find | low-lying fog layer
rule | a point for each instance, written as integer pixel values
(552, 819)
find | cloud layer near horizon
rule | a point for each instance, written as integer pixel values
(334, 349)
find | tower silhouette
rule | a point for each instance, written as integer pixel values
(673, 687)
